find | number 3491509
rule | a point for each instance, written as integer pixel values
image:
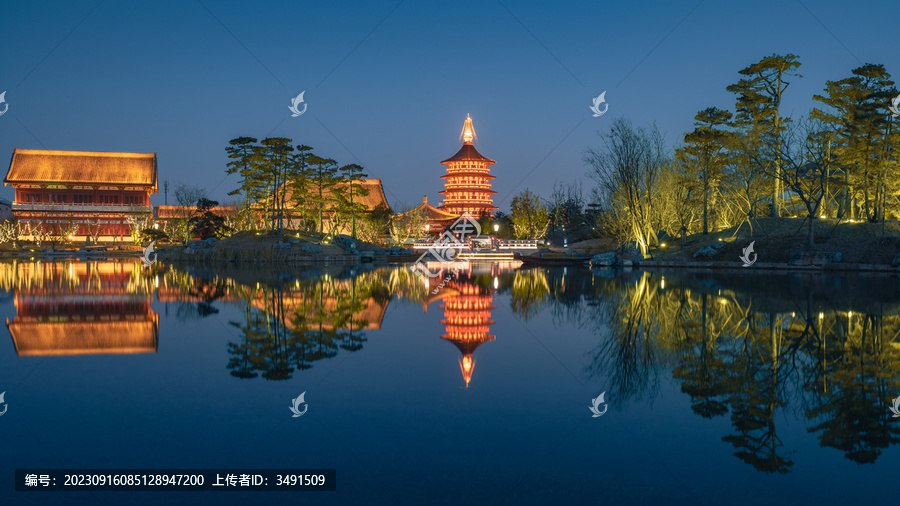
(294, 480)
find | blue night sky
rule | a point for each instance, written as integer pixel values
(388, 85)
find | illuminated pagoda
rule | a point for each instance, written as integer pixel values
(468, 179)
(467, 320)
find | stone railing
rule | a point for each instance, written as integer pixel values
(517, 244)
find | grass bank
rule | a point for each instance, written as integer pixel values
(775, 239)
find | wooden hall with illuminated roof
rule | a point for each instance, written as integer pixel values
(81, 192)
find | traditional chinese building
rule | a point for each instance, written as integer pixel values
(81, 192)
(468, 179)
(467, 320)
(432, 219)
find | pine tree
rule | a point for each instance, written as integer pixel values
(758, 113)
(706, 152)
(862, 138)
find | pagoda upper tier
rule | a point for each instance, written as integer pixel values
(468, 178)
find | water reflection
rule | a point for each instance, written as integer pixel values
(759, 351)
(287, 327)
(77, 308)
(467, 319)
(756, 354)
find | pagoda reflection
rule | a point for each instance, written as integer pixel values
(467, 320)
(78, 308)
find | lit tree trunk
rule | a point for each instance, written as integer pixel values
(705, 205)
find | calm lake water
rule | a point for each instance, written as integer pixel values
(738, 388)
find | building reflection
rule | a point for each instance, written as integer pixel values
(467, 319)
(79, 308)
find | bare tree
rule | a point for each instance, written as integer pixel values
(94, 230)
(36, 230)
(408, 224)
(10, 230)
(137, 223)
(187, 198)
(805, 167)
(627, 171)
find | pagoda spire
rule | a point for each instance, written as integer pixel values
(468, 132)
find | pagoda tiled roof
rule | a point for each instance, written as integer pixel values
(468, 153)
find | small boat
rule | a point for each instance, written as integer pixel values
(555, 259)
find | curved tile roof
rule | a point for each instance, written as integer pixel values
(468, 153)
(82, 167)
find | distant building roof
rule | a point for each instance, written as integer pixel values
(371, 201)
(82, 167)
(431, 213)
(375, 197)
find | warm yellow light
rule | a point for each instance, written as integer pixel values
(823, 216)
(720, 239)
(849, 314)
(793, 315)
(663, 284)
(468, 131)
(662, 245)
(821, 315)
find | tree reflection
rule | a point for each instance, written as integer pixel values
(857, 369)
(287, 328)
(752, 363)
